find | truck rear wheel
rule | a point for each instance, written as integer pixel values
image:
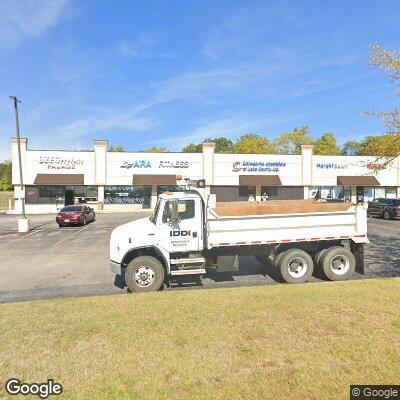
(144, 274)
(338, 263)
(295, 266)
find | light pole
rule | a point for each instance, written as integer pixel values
(23, 224)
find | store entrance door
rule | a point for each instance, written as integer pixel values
(69, 197)
(360, 193)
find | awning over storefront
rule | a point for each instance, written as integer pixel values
(59, 179)
(263, 180)
(154, 180)
(357, 181)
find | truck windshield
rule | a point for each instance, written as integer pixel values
(153, 217)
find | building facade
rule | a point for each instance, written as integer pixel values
(127, 180)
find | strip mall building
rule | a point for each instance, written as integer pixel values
(112, 180)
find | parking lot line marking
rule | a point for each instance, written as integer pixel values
(72, 234)
(43, 228)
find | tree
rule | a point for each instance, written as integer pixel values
(116, 149)
(390, 62)
(155, 149)
(351, 148)
(5, 175)
(222, 145)
(253, 144)
(386, 147)
(193, 148)
(290, 142)
(327, 145)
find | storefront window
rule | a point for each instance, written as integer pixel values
(246, 192)
(128, 195)
(79, 191)
(56, 194)
(169, 188)
(371, 193)
(342, 193)
(282, 192)
(270, 191)
(92, 192)
(391, 192)
(379, 192)
(31, 194)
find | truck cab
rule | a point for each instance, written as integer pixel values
(173, 237)
(178, 218)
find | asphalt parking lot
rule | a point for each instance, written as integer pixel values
(55, 262)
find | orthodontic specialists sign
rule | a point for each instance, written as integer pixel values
(258, 166)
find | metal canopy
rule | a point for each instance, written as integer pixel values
(357, 181)
(59, 179)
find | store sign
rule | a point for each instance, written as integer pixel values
(331, 166)
(174, 164)
(60, 162)
(137, 164)
(376, 166)
(257, 166)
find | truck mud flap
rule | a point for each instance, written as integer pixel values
(358, 250)
(227, 263)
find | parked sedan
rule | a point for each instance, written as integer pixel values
(384, 208)
(75, 215)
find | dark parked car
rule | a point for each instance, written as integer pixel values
(75, 215)
(384, 208)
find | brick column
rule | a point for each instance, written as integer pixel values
(208, 162)
(307, 167)
(100, 167)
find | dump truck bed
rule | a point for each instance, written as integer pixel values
(241, 208)
(246, 223)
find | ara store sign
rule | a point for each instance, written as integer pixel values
(136, 164)
(258, 166)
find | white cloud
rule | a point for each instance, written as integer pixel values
(105, 120)
(20, 19)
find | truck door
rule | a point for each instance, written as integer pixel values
(183, 233)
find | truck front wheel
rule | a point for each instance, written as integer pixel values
(338, 263)
(144, 274)
(295, 266)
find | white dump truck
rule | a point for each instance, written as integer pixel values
(189, 235)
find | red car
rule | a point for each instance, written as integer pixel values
(75, 215)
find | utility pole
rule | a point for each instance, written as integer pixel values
(24, 225)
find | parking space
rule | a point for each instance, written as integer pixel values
(50, 261)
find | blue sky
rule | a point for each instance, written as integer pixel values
(165, 73)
